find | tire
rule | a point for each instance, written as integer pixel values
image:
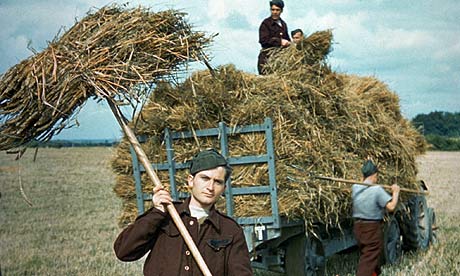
(432, 216)
(392, 241)
(304, 256)
(416, 224)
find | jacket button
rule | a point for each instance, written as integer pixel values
(187, 267)
(187, 253)
(191, 222)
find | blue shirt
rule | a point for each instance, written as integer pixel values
(369, 201)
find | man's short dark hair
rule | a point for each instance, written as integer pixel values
(278, 3)
(296, 31)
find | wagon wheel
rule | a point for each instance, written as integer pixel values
(304, 256)
(416, 224)
(392, 241)
(432, 216)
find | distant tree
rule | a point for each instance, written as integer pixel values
(439, 123)
(72, 143)
(443, 143)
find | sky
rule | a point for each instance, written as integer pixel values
(412, 46)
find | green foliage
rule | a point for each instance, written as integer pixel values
(72, 143)
(441, 129)
(438, 123)
(443, 143)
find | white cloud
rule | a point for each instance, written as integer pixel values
(341, 2)
(219, 10)
(348, 29)
(449, 50)
(239, 47)
(394, 39)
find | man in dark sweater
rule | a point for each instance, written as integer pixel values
(273, 32)
(219, 238)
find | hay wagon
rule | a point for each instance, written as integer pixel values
(277, 243)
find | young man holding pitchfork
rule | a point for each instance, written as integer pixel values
(219, 238)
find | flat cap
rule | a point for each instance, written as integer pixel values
(206, 160)
(369, 168)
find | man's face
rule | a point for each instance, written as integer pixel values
(207, 186)
(276, 12)
(297, 37)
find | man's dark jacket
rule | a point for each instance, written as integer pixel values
(270, 35)
(219, 239)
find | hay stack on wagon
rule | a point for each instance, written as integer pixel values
(324, 122)
(105, 55)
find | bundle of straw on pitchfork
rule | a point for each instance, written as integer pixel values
(106, 54)
(110, 54)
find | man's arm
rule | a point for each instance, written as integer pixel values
(391, 205)
(286, 33)
(138, 238)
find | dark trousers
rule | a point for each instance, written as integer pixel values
(370, 241)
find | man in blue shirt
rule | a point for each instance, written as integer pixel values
(369, 205)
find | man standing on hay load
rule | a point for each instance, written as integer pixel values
(219, 238)
(273, 32)
(369, 204)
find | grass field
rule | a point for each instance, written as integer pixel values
(72, 223)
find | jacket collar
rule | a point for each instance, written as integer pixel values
(183, 209)
(273, 21)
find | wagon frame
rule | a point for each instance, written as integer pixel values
(277, 243)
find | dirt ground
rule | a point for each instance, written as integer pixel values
(439, 171)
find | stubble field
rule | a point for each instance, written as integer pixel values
(72, 223)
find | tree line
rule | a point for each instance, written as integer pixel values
(441, 129)
(72, 143)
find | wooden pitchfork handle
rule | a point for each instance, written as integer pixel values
(369, 184)
(156, 181)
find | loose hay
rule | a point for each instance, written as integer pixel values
(108, 53)
(324, 122)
